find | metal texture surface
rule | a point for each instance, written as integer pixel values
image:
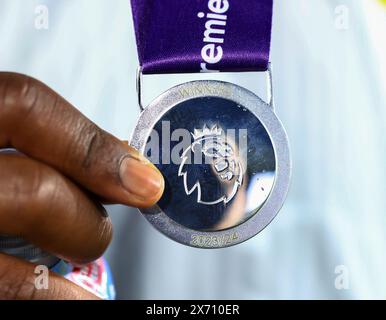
(239, 184)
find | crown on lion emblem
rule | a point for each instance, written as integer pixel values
(212, 143)
(206, 132)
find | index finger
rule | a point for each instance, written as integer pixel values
(38, 122)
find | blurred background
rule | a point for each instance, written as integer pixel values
(329, 71)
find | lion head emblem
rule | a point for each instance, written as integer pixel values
(219, 177)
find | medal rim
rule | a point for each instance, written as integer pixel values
(264, 113)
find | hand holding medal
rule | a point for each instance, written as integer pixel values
(221, 149)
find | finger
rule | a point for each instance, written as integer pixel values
(18, 282)
(46, 208)
(40, 123)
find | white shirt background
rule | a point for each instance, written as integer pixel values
(329, 240)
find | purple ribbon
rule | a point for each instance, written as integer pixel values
(202, 35)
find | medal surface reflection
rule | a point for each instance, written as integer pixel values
(223, 174)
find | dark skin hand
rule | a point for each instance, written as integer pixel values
(51, 194)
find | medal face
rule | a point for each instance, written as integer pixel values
(225, 159)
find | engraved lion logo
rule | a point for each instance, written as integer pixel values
(221, 175)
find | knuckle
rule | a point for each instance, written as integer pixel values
(19, 94)
(88, 145)
(48, 192)
(93, 141)
(40, 189)
(37, 183)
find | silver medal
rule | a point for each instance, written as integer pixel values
(224, 156)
